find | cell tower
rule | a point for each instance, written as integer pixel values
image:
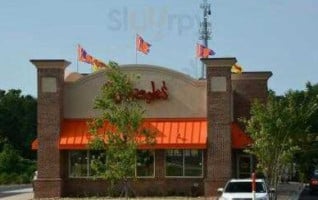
(205, 29)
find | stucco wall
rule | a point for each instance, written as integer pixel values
(187, 96)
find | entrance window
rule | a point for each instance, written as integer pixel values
(244, 163)
(184, 163)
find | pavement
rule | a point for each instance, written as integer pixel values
(289, 190)
(16, 192)
(285, 191)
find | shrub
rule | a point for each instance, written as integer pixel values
(9, 158)
(13, 168)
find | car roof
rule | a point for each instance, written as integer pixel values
(246, 180)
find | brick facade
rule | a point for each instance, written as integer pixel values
(219, 117)
(247, 87)
(50, 115)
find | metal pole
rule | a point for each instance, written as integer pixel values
(205, 40)
(253, 185)
(77, 58)
(136, 47)
(204, 30)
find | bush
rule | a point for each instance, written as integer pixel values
(13, 168)
(24, 178)
(9, 158)
(6, 178)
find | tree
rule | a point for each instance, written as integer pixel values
(120, 141)
(18, 120)
(9, 158)
(13, 168)
(313, 93)
(279, 129)
(307, 159)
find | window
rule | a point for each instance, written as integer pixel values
(145, 163)
(85, 163)
(193, 163)
(188, 163)
(244, 163)
(97, 161)
(174, 162)
(244, 187)
(81, 162)
(78, 163)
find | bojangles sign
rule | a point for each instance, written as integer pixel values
(148, 96)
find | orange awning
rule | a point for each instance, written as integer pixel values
(171, 134)
(178, 133)
(35, 144)
(239, 139)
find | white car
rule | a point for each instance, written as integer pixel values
(241, 189)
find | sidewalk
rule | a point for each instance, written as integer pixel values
(16, 192)
(14, 187)
(22, 196)
(289, 191)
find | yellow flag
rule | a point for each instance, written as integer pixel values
(95, 68)
(98, 65)
(236, 68)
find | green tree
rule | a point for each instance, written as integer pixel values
(125, 115)
(13, 168)
(279, 129)
(9, 158)
(307, 159)
(18, 120)
(313, 93)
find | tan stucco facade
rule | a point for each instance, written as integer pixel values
(186, 96)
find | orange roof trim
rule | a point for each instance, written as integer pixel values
(171, 134)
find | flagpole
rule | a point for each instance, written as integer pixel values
(77, 58)
(77, 65)
(196, 60)
(136, 48)
(196, 67)
(136, 55)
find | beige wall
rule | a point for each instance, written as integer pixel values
(187, 96)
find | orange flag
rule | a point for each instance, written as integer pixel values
(203, 52)
(142, 45)
(83, 56)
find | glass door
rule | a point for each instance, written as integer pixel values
(244, 166)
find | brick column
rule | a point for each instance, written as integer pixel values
(49, 118)
(219, 116)
(248, 87)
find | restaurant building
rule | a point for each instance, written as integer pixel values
(199, 145)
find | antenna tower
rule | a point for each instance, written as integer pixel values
(205, 30)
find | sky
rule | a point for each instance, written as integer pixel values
(264, 35)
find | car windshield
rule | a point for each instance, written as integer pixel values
(315, 176)
(235, 187)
